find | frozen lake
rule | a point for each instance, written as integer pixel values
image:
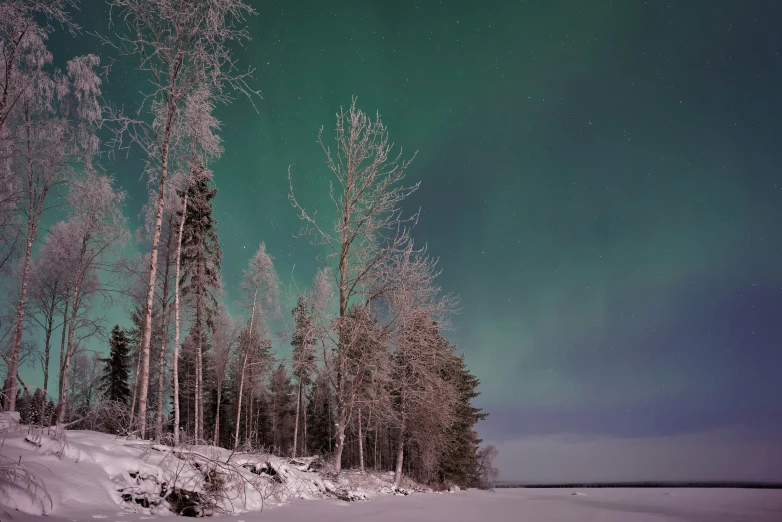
(528, 505)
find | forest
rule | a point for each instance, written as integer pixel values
(354, 366)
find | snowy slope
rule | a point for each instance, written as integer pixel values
(84, 472)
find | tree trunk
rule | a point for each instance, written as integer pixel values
(341, 419)
(239, 402)
(296, 424)
(164, 329)
(400, 453)
(62, 346)
(135, 386)
(69, 348)
(374, 452)
(248, 424)
(304, 420)
(360, 443)
(244, 366)
(47, 347)
(13, 361)
(199, 414)
(147, 323)
(217, 415)
(175, 361)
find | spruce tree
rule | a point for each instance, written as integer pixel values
(303, 363)
(200, 280)
(458, 462)
(282, 399)
(114, 382)
(319, 418)
(34, 413)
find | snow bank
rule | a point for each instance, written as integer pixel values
(82, 471)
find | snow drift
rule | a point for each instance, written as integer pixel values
(76, 471)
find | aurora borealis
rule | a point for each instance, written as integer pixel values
(600, 180)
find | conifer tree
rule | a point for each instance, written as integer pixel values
(114, 382)
(201, 258)
(458, 462)
(281, 407)
(319, 422)
(303, 362)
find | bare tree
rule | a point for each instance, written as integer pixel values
(369, 227)
(417, 312)
(185, 46)
(96, 225)
(486, 473)
(53, 127)
(22, 37)
(261, 282)
(49, 290)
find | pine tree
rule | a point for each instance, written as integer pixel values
(282, 408)
(49, 413)
(303, 364)
(114, 382)
(319, 418)
(458, 462)
(23, 402)
(34, 415)
(201, 258)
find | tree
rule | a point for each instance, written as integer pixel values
(369, 224)
(224, 338)
(280, 407)
(303, 343)
(424, 400)
(24, 52)
(201, 258)
(485, 471)
(320, 438)
(261, 282)
(52, 127)
(458, 460)
(97, 226)
(185, 48)
(114, 382)
(49, 290)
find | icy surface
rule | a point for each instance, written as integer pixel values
(554, 505)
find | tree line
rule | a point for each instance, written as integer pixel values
(371, 382)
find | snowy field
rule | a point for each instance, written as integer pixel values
(554, 505)
(91, 476)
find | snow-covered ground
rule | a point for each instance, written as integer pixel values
(86, 475)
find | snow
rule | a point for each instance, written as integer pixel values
(86, 475)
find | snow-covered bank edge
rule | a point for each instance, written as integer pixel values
(84, 470)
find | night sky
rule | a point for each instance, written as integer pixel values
(600, 180)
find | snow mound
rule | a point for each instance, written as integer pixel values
(85, 471)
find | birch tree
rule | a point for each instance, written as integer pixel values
(367, 191)
(49, 291)
(184, 46)
(53, 131)
(24, 27)
(97, 226)
(417, 312)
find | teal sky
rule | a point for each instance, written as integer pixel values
(600, 181)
